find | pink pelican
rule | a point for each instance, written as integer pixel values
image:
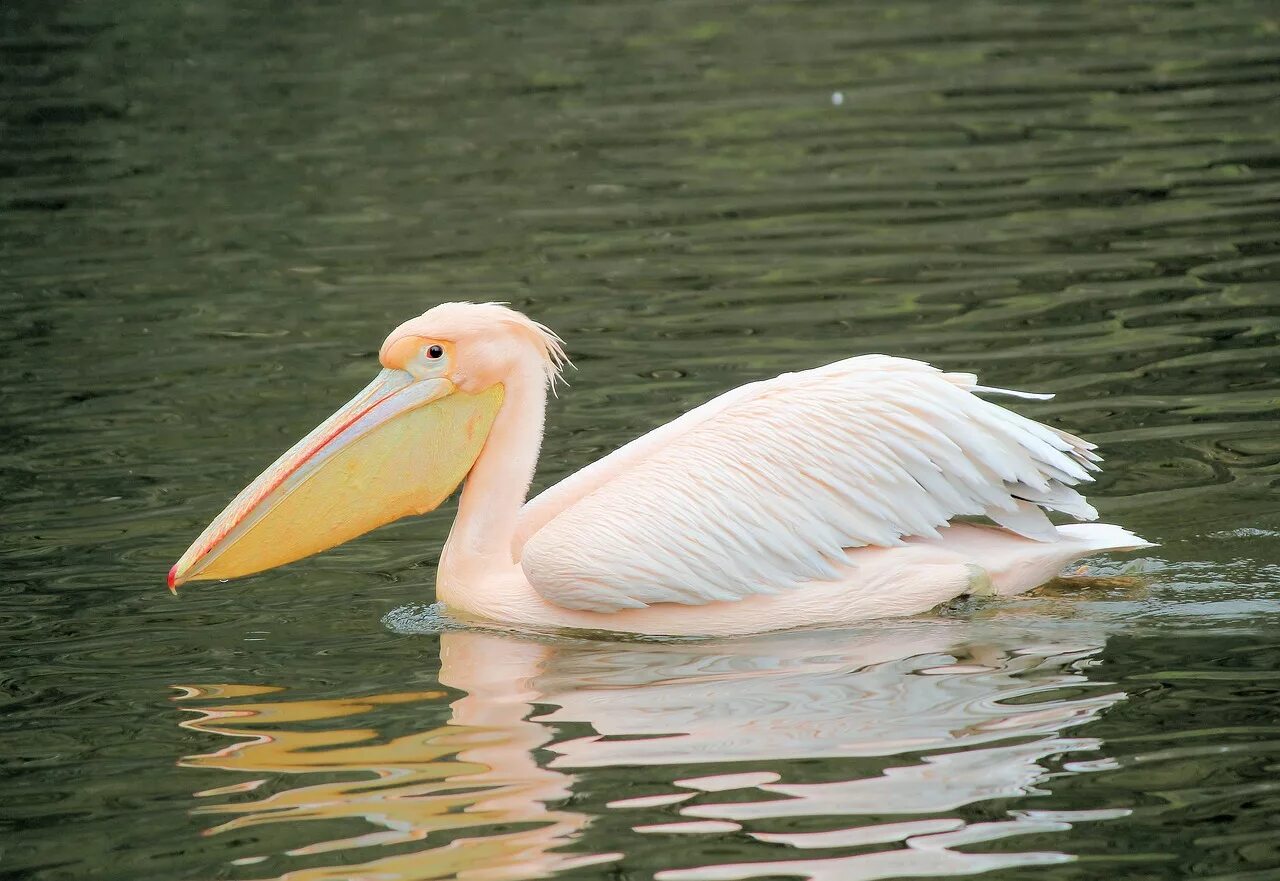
(822, 497)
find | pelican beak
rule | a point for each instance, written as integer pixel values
(399, 447)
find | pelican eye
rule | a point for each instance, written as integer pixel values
(434, 352)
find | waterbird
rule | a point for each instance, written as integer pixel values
(821, 497)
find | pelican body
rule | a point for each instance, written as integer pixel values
(821, 497)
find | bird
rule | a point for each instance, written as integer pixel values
(872, 487)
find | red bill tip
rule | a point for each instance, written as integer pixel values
(173, 588)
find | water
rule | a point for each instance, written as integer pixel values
(210, 214)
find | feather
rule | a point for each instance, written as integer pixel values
(764, 488)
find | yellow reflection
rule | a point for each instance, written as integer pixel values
(475, 773)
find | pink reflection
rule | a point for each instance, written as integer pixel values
(924, 718)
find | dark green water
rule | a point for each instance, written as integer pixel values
(212, 212)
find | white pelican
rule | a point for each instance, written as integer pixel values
(821, 497)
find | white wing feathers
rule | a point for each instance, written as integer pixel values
(766, 491)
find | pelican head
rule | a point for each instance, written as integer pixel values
(399, 447)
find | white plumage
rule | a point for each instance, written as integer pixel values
(763, 489)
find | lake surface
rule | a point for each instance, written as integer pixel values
(212, 212)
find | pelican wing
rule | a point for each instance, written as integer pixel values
(765, 487)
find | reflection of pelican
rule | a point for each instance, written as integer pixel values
(910, 728)
(817, 497)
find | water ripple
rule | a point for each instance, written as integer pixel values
(210, 216)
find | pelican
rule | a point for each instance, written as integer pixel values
(821, 497)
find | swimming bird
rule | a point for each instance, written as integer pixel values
(820, 497)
